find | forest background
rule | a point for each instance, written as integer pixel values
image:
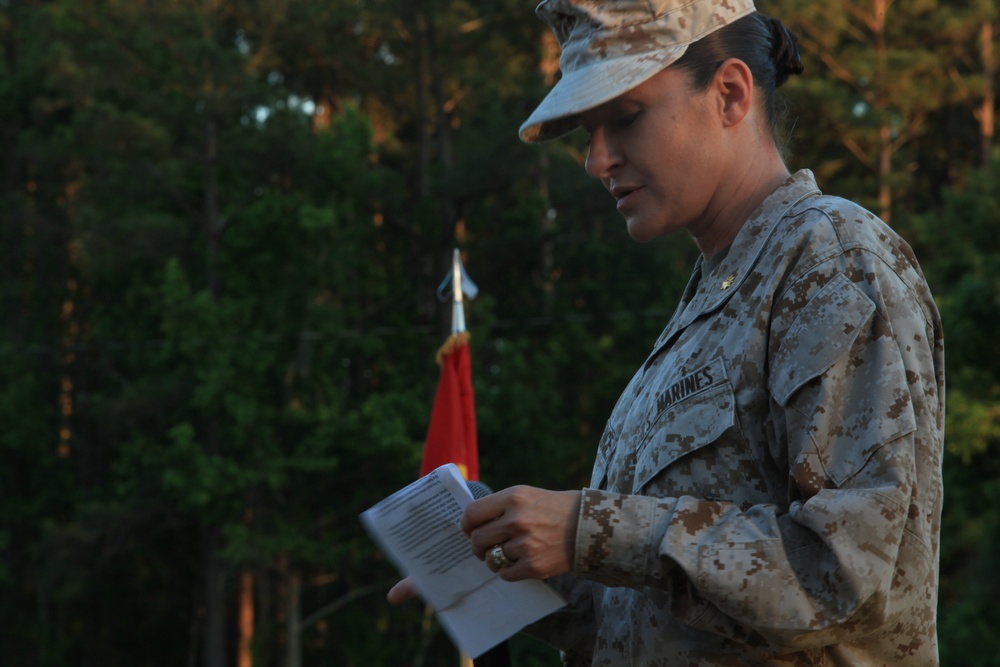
(223, 228)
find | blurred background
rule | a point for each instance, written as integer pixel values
(222, 228)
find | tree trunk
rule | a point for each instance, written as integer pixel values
(987, 110)
(266, 618)
(214, 633)
(214, 653)
(213, 225)
(293, 654)
(884, 172)
(244, 656)
(449, 207)
(549, 65)
(885, 132)
(194, 634)
(423, 131)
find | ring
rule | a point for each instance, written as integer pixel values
(499, 557)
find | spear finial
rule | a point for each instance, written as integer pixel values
(457, 285)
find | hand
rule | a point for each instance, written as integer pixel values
(537, 529)
(402, 591)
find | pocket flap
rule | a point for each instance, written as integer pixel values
(823, 332)
(686, 426)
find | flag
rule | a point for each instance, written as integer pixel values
(451, 433)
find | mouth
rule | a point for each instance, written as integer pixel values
(623, 193)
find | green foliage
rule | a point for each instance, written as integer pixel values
(224, 227)
(873, 115)
(973, 426)
(964, 268)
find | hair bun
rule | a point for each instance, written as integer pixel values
(785, 51)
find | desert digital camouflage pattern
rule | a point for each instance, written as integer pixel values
(768, 488)
(611, 46)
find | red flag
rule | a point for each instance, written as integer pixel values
(451, 434)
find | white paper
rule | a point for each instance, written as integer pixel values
(418, 529)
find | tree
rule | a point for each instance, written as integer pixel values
(966, 273)
(226, 226)
(874, 80)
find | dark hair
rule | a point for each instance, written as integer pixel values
(768, 48)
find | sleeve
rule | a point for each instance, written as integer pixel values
(853, 548)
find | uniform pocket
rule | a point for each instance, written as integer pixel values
(667, 463)
(823, 332)
(843, 384)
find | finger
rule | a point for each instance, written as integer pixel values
(513, 573)
(499, 557)
(490, 563)
(482, 511)
(485, 538)
(401, 592)
(519, 568)
(523, 565)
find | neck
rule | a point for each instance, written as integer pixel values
(752, 184)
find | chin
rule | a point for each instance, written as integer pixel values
(641, 234)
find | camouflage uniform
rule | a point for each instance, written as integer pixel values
(768, 488)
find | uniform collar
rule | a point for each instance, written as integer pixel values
(708, 292)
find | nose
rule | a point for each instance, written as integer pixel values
(603, 156)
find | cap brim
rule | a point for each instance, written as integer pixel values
(589, 87)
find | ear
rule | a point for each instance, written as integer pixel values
(734, 84)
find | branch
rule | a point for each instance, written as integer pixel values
(845, 75)
(257, 60)
(867, 19)
(856, 149)
(849, 28)
(874, 20)
(343, 601)
(912, 128)
(957, 79)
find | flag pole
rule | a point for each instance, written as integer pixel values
(458, 327)
(451, 434)
(458, 307)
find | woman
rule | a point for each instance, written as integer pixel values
(767, 490)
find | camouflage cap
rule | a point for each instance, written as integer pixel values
(612, 46)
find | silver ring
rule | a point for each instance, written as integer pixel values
(499, 557)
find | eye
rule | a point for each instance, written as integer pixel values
(627, 120)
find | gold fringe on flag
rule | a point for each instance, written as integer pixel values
(454, 341)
